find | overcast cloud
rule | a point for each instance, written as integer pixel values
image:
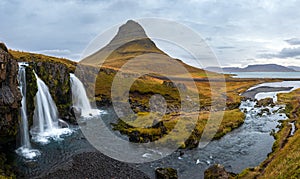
(239, 32)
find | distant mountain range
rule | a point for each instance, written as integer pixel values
(255, 68)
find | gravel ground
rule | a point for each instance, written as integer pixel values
(92, 165)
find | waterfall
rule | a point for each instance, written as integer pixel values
(45, 120)
(25, 149)
(25, 141)
(79, 96)
(80, 99)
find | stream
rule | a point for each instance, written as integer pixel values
(246, 146)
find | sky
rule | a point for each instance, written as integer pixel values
(239, 32)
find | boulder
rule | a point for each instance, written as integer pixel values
(135, 136)
(166, 173)
(216, 171)
(74, 114)
(265, 102)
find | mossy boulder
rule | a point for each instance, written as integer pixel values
(166, 173)
(217, 171)
(265, 102)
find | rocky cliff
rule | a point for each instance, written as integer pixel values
(10, 95)
(10, 98)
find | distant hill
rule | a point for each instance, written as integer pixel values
(253, 68)
(296, 68)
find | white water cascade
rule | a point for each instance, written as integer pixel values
(80, 99)
(45, 120)
(25, 150)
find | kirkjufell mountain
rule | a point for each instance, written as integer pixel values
(131, 41)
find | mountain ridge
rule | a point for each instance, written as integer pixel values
(253, 68)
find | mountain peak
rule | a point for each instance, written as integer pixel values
(129, 42)
(129, 31)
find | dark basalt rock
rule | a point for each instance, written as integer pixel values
(166, 173)
(74, 114)
(10, 103)
(135, 137)
(10, 96)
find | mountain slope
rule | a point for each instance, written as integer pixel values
(296, 68)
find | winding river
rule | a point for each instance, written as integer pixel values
(244, 147)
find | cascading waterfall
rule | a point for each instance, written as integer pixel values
(45, 120)
(25, 149)
(80, 99)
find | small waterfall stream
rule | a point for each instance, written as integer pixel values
(45, 119)
(25, 149)
(80, 99)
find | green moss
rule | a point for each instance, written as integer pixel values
(5, 168)
(31, 90)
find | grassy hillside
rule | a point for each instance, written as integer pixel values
(33, 57)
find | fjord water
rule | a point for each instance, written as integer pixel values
(266, 74)
(45, 120)
(25, 149)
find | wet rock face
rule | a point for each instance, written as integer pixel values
(10, 96)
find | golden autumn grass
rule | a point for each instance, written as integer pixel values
(33, 57)
(187, 129)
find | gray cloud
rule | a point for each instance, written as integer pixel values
(284, 53)
(293, 41)
(225, 47)
(34, 25)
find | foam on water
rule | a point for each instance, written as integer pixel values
(46, 124)
(28, 153)
(55, 134)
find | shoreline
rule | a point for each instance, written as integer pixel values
(263, 89)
